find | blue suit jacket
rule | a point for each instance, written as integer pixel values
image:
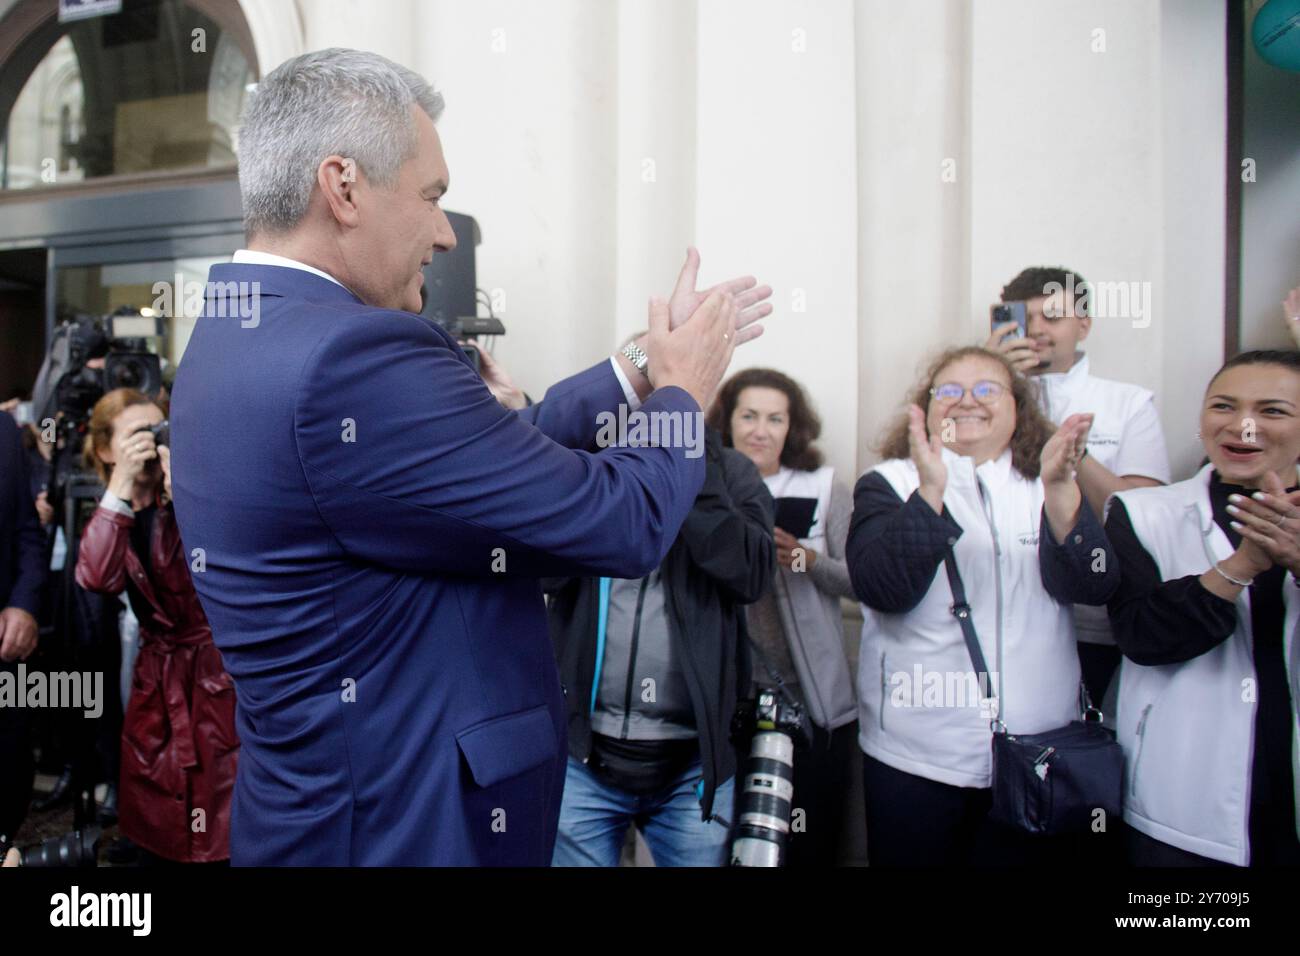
(373, 525)
(22, 545)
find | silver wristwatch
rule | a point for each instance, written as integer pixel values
(638, 358)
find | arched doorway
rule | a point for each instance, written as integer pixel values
(117, 163)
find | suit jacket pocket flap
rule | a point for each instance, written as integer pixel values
(502, 747)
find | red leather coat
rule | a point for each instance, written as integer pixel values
(179, 747)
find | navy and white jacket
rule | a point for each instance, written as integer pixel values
(918, 713)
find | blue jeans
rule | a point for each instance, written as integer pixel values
(594, 818)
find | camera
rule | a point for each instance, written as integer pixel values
(774, 722)
(161, 432)
(80, 848)
(68, 385)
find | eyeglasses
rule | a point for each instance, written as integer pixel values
(986, 393)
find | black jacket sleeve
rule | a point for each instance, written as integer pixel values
(1083, 568)
(728, 534)
(28, 544)
(1155, 621)
(895, 546)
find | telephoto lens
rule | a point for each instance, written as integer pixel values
(80, 848)
(764, 805)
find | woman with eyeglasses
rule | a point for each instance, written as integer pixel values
(974, 470)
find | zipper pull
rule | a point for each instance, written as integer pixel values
(1041, 764)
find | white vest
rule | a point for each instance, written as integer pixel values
(811, 618)
(1188, 729)
(1115, 406)
(1027, 637)
(1112, 404)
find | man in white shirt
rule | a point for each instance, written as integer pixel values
(1126, 446)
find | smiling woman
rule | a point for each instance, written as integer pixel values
(1206, 615)
(975, 480)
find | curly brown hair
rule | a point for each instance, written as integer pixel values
(1032, 427)
(799, 452)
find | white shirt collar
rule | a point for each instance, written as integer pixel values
(1070, 379)
(253, 257)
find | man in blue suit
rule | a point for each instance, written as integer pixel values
(367, 523)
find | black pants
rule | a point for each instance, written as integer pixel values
(1146, 851)
(17, 768)
(821, 774)
(914, 821)
(92, 643)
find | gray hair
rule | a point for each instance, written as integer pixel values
(330, 102)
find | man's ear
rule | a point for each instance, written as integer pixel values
(337, 176)
(1085, 326)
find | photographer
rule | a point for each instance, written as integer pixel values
(179, 748)
(652, 669)
(797, 625)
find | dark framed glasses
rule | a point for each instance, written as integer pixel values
(985, 392)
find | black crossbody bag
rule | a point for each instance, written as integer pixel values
(1054, 782)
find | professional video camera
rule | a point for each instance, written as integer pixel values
(774, 721)
(66, 384)
(68, 387)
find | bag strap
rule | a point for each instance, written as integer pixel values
(781, 687)
(960, 609)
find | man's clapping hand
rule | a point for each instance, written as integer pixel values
(750, 298)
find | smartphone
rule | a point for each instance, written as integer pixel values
(1005, 312)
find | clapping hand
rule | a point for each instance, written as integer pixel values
(750, 299)
(1064, 450)
(1269, 521)
(927, 454)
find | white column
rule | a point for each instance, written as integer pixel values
(777, 188)
(1191, 232)
(656, 153)
(914, 183)
(386, 27)
(530, 139)
(278, 31)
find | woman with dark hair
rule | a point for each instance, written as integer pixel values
(974, 475)
(797, 625)
(1206, 616)
(179, 747)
